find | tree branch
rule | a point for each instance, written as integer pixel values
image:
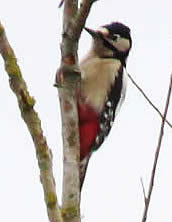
(148, 100)
(68, 79)
(81, 16)
(157, 154)
(61, 3)
(26, 104)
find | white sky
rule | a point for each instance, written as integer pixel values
(112, 190)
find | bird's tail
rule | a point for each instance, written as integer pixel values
(83, 169)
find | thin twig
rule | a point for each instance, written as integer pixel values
(30, 116)
(61, 3)
(148, 100)
(151, 184)
(144, 193)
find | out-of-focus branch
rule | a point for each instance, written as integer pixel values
(61, 3)
(151, 184)
(26, 104)
(68, 79)
(82, 15)
(148, 100)
(143, 188)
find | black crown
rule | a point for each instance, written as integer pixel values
(118, 28)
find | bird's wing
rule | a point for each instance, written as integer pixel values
(112, 106)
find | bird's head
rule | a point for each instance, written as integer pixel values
(111, 40)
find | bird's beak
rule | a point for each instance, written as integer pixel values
(93, 33)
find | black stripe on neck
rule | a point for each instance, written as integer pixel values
(116, 54)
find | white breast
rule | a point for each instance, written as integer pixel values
(98, 75)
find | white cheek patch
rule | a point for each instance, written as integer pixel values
(122, 44)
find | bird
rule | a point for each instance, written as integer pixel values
(103, 87)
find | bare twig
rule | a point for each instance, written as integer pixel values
(29, 115)
(61, 3)
(151, 184)
(149, 101)
(144, 193)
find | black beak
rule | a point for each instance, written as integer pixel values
(93, 33)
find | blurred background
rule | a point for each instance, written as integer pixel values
(112, 190)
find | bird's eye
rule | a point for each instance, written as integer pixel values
(115, 36)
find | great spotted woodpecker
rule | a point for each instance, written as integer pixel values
(103, 87)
